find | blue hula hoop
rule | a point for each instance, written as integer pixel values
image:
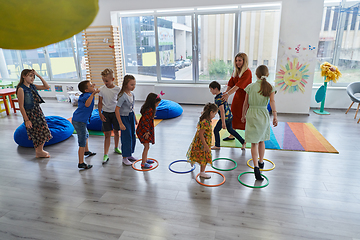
(180, 172)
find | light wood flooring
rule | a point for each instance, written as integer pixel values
(310, 195)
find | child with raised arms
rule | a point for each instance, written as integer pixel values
(199, 150)
(80, 119)
(145, 129)
(257, 129)
(124, 112)
(106, 105)
(29, 104)
(226, 116)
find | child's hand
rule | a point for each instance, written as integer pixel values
(122, 127)
(243, 119)
(96, 91)
(28, 124)
(275, 122)
(223, 125)
(146, 135)
(36, 74)
(102, 117)
(206, 148)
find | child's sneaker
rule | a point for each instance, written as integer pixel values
(257, 174)
(150, 161)
(133, 159)
(146, 166)
(204, 175)
(89, 154)
(84, 165)
(126, 161)
(105, 159)
(261, 165)
(117, 150)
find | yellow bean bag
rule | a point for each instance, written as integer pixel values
(32, 24)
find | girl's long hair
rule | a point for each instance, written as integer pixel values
(23, 74)
(238, 72)
(150, 102)
(262, 72)
(209, 107)
(127, 79)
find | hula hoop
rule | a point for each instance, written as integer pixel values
(208, 185)
(260, 168)
(212, 165)
(180, 161)
(250, 185)
(144, 170)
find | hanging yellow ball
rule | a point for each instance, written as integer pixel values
(32, 24)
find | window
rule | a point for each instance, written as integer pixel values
(216, 46)
(340, 45)
(175, 47)
(139, 53)
(58, 61)
(198, 45)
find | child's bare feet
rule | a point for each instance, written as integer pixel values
(243, 146)
(215, 148)
(42, 154)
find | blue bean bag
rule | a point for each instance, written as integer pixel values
(60, 128)
(168, 109)
(95, 121)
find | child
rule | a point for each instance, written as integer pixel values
(106, 105)
(145, 129)
(225, 114)
(81, 117)
(124, 112)
(257, 129)
(29, 104)
(199, 150)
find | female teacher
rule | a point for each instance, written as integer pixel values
(240, 78)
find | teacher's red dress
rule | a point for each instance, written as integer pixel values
(239, 98)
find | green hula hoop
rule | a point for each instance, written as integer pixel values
(212, 165)
(248, 163)
(262, 186)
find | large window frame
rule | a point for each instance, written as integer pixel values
(47, 61)
(237, 10)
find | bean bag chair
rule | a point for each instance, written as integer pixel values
(60, 128)
(95, 121)
(168, 109)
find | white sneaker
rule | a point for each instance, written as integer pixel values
(204, 175)
(126, 161)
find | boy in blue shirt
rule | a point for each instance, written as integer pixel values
(81, 117)
(225, 114)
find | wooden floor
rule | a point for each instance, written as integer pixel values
(310, 195)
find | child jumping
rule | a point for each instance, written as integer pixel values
(29, 104)
(106, 105)
(225, 114)
(199, 150)
(124, 112)
(145, 129)
(257, 129)
(81, 117)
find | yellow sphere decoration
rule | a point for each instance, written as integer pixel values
(32, 24)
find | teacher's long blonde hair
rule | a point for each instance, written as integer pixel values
(239, 71)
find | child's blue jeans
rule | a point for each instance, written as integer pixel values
(128, 138)
(230, 130)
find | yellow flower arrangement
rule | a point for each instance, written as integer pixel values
(331, 72)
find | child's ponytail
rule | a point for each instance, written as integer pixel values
(209, 107)
(262, 72)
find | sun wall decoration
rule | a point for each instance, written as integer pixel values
(292, 77)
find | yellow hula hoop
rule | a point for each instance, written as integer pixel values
(260, 168)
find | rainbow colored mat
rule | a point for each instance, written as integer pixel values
(291, 136)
